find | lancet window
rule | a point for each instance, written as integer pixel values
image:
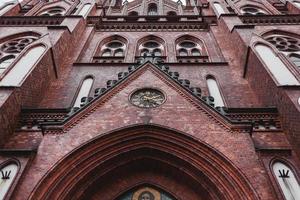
(84, 91)
(214, 91)
(287, 181)
(10, 49)
(276, 66)
(7, 175)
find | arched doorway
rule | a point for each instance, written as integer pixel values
(144, 156)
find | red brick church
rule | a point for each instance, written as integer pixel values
(150, 100)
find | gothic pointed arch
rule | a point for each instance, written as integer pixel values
(286, 178)
(149, 45)
(12, 48)
(57, 8)
(112, 48)
(139, 155)
(286, 43)
(190, 48)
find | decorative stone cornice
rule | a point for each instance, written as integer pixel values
(30, 21)
(270, 19)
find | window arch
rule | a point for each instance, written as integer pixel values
(53, 11)
(274, 64)
(190, 49)
(286, 180)
(113, 48)
(6, 6)
(152, 9)
(219, 8)
(85, 9)
(297, 4)
(84, 90)
(151, 45)
(17, 74)
(214, 91)
(8, 173)
(11, 49)
(252, 10)
(288, 45)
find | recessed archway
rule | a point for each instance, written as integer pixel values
(149, 155)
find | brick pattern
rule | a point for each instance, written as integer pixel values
(244, 156)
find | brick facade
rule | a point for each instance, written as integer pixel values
(186, 147)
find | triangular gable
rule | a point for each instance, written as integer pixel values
(192, 94)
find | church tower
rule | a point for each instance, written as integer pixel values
(149, 100)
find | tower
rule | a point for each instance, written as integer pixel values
(149, 99)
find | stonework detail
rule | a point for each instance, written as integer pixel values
(150, 100)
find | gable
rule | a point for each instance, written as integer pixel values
(146, 76)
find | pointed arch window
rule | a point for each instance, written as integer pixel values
(219, 8)
(188, 48)
(114, 48)
(85, 9)
(17, 74)
(6, 6)
(7, 176)
(151, 47)
(152, 9)
(84, 90)
(289, 46)
(9, 51)
(286, 180)
(214, 91)
(296, 3)
(274, 64)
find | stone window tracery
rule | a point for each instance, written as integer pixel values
(286, 180)
(113, 49)
(289, 46)
(54, 11)
(9, 50)
(151, 47)
(152, 9)
(188, 48)
(251, 10)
